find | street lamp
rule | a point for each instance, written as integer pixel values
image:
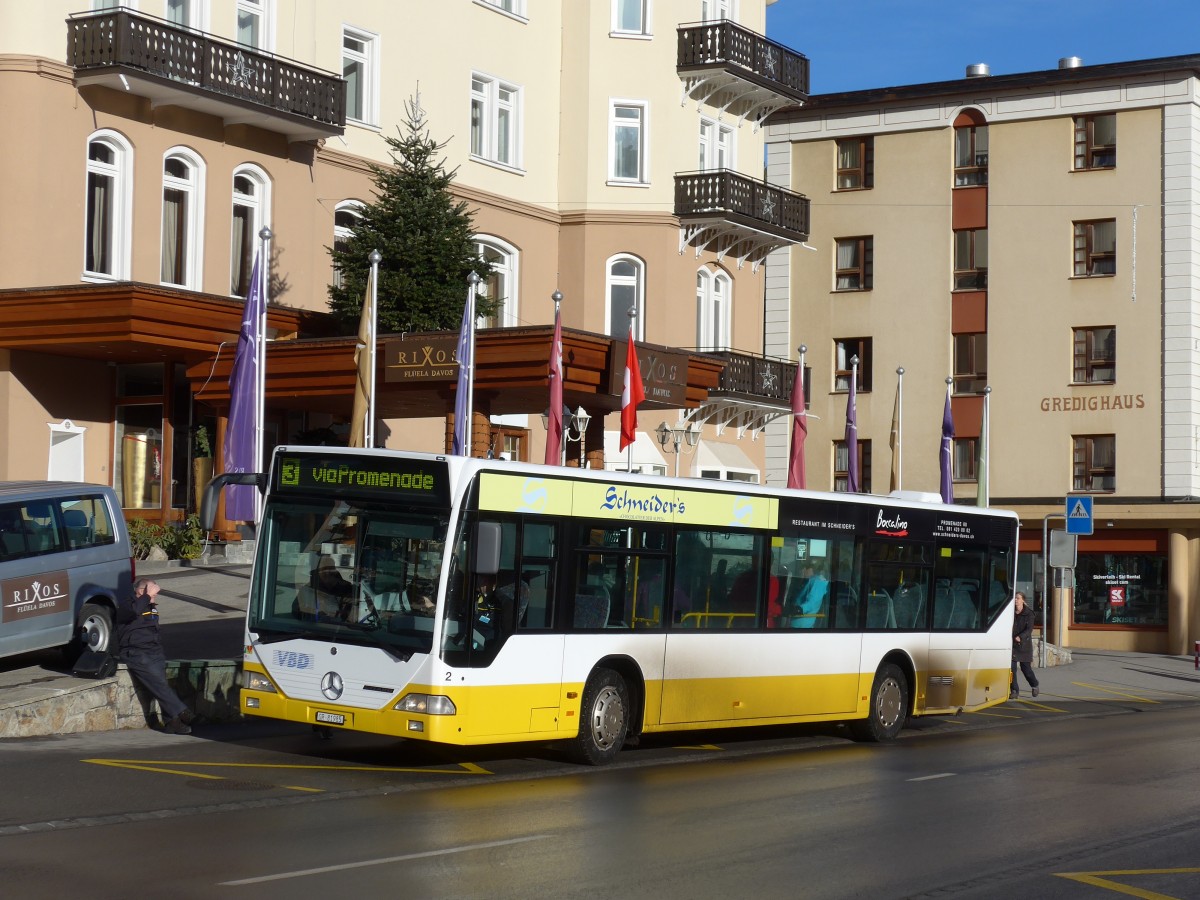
(574, 428)
(677, 435)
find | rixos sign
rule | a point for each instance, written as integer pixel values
(664, 374)
(37, 595)
(421, 358)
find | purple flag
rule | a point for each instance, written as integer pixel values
(947, 437)
(242, 431)
(462, 397)
(852, 484)
(796, 475)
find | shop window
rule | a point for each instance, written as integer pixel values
(1121, 589)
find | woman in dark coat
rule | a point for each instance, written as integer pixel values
(1022, 651)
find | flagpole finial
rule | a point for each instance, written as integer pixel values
(374, 257)
(632, 313)
(987, 389)
(854, 360)
(949, 381)
(803, 348)
(556, 297)
(265, 233)
(473, 278)
(900, 370)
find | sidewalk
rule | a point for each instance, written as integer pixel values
(1109, 674)
(202, 611)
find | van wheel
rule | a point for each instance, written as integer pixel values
(96, 628)
(889, 707)
(603, 719)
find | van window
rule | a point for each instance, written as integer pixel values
(86, 522)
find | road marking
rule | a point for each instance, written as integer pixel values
(1034, 705)
(1096, 687)
(300, 873)
(995, 715)
(1094, 879)
(932, 777)
(158, 765)
(698, 747)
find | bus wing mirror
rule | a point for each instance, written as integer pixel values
(212, 493)
(486, 558)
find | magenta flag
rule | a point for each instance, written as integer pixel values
(243, 427)
(461, 445)
(554, 417)
(852, 484)
(947, 438)
(796, 476)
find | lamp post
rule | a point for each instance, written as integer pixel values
(574, 428)
(676, 436)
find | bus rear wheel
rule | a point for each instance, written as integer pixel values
(603, 719)
(889, 707)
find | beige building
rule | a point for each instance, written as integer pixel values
(1034, 239)
(608, 149)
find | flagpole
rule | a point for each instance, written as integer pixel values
(987, 440)
(632, 319)
(473, 286)
(555, 411)
(853, 476)
(374, 257)
(900, 428)
(260, 368)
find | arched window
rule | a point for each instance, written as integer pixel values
(251, 207)
(107, 239)
(346, 217)
(501, 285)
(714, 294)
(182, 213)
(625, 289)
(970, 149)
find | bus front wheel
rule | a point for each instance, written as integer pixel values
(603, 719)
(889, 707)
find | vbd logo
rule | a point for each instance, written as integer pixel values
(289, 659)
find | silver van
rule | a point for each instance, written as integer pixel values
(65, 559)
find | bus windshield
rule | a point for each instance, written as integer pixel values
(352, 574)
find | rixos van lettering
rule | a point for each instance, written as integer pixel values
(653, 504)
(37, 592)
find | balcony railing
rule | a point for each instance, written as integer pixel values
(758, 378)
(192, 69)
(742, 54)
(740, 200)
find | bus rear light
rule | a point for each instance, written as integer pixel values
(256, 681)
(430, 704)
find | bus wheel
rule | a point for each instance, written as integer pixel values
(603, 719)
(889, 707)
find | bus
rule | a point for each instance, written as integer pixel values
(471, 601)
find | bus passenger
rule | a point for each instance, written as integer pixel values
(808, 605)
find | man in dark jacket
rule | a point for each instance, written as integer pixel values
(142, 652)
(1022, 652)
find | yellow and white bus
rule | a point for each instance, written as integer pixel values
(470, 601)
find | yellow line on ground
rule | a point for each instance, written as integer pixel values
(1035, 705)
(994, 715)
(1094, 879)
(463, 768)
(698, 747)
(1096, 687)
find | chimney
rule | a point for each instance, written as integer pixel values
(978, 70)
(1070, 62)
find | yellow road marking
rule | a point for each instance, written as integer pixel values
(994, 715)
(698, 747)
(1094, 879)
(1096, 687)
(160, 766)
(1033, 704)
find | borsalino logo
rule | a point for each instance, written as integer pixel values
(893, 527)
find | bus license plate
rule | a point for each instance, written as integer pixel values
(331, 718)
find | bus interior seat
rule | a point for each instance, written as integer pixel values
(591, 607)
(880, 611)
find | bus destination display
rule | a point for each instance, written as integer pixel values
(407, 479)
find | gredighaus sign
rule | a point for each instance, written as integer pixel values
(1093, 404)
(421, 359)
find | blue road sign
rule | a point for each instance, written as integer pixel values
(1079, 515)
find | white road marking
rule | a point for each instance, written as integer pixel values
(932, 777)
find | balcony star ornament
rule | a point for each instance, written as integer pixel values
(239, 72)
(768, 206)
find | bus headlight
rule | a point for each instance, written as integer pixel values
(430, 704)
(256, 681)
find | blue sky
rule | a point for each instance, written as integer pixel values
(883, 43)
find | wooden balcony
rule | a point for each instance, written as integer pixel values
(730, 213)
(738, 71)
(751, 392)
(176, 66)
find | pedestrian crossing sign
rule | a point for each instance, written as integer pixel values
(1079, 515)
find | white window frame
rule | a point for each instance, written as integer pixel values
(647, 15)
(507, 270)
(718, 142)
(342, 232)
(716, 10)
(195, 13)
(714, 304)
(119, 239)
(514, 9)
(260, 206)
(192, 189)
(264, 10)
(620, 329)
(368, 59)
(487, 99)
(642, 179)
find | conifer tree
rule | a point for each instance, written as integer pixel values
(425, 236)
